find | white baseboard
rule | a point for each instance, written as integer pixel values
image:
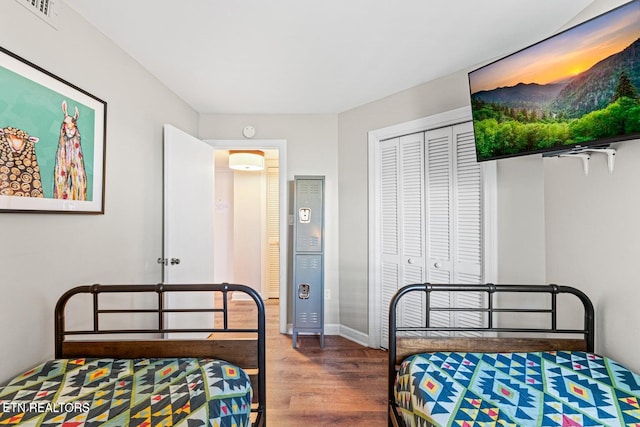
(340, 330)
(355, 336)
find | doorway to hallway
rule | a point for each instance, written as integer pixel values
(251, 221)
(247, 222)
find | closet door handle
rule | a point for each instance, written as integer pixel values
(410, 261)
(437, 265)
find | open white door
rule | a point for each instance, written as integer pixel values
(188, 220)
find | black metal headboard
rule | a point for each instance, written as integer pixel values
(488, 310)
(100, 340)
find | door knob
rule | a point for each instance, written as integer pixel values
(410, 260)
(175, 261)
(437, 265)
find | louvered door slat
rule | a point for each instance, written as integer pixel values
(454, 220)
(390, 279)
(389, 196)
(431, 221)
(440, 318)
(466, 319)
(412, 224)
(390, 229)
(412, 312)
(468, 203)
(273, 232)
(438, 190)
(412, 178)
(402, 222)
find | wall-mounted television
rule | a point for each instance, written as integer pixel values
(578, 88)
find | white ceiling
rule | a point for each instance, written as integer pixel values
(315, 57)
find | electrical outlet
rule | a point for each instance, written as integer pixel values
(327, 294)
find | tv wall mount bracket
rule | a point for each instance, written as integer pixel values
(585, 153)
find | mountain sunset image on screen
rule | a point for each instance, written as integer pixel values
(579, 87)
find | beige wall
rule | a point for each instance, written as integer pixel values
(312, 149)
(568, 228)
(554, 224)
(430, 98)
(520, 212)
(593, 242)
(521, 237)
(223, 250)
(248, 224)
(42, 255)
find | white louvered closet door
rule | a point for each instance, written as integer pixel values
(389, 230)
(402, 225)
(439, 189)
(467, 224)
(454, 226)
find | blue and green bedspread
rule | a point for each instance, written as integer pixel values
(517, 389)
(128, 392)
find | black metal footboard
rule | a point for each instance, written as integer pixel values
(493, 335)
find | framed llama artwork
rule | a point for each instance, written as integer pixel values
(52, 142)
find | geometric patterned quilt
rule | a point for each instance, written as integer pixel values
(128, 392)
(517, 389)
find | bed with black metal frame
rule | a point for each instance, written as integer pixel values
(161, 376)
(520, 376)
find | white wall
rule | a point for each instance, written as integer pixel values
(521, 237)
(240, 224)
(223, 221)
(519, 194)
(593, 242)
(45, 254)
(312, 149)
(442, 95)
(521, 233)
(551, 228)
(248, 228)
(42, 255)
(593, 237)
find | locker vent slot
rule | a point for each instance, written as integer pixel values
(309, 262)
(309, 242)
(305, 319)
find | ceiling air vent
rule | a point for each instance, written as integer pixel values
(45, 9)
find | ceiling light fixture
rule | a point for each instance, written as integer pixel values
(246, 160)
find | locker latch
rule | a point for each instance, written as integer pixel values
(305, 215)
(303, 291)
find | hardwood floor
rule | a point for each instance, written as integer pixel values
(342, 384)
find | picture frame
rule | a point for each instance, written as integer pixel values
(52, 142)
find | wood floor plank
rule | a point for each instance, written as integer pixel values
(342, 384)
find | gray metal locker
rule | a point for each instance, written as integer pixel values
(308, 257)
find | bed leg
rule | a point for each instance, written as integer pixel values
(394, 418)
